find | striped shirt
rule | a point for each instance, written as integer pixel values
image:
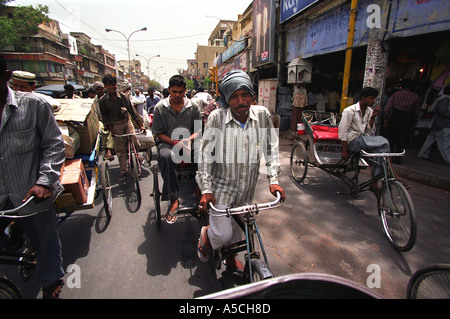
(404, 101)
(31, 150)
(230, 155)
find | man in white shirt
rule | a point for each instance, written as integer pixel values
(356, 124)
(321, 101)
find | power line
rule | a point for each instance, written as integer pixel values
(166, 39)
(88, 25)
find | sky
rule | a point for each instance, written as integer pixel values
(175, 27)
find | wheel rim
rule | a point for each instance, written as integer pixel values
(156, 195)
(430, 283)
(109, 197)
(106, 189)
(397, 215)
(299, 162)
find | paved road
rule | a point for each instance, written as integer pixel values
(317, 230)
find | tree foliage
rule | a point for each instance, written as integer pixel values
(153, 84)
(19, 21)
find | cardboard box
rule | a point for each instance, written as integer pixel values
(81, 115)
(71, 139)
(75, 181)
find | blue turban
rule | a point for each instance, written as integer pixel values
(233, 81)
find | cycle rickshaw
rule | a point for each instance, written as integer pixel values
(256, 262)
(318, 145)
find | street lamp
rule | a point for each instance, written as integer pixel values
(148, 62)
(157, 70)
(128, 46)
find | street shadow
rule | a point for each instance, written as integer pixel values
(167, 246)
(102, 221)
(75, 236)
(126, 189)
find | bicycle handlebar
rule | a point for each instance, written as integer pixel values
(364, 153)
(6, 213)
(130, 134)
(248, 208)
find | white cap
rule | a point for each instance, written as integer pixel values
(24, 76)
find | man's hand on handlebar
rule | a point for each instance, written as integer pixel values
(274, 188)
(39, 192)
(204, 202)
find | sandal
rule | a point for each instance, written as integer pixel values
(172, 214)
(53, 291)
(202, 250)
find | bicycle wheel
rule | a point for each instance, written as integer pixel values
(106, 189)
(259, 271)
(397, 215)
(156, 194)
(8, 290)
(432, 282)
(299, 162)
(135, 175)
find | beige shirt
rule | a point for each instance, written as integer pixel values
(353, 123)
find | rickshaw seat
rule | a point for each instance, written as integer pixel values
(325, 132)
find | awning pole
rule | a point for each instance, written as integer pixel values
(348, 54)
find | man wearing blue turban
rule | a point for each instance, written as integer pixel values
(235, 138)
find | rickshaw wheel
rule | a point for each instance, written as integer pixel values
(156, 194)
(397, 215)
(106, 189)
(135, 174)
(299, 162)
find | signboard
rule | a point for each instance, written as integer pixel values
(290, 8)
(419, 17)
(263, 49)
(73, 48)
(329, 32)
(237, 47)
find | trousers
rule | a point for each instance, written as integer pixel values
(120, 143)
(442, 139)
(223, 231)
(370, 144)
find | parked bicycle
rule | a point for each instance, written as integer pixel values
(321, 148)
